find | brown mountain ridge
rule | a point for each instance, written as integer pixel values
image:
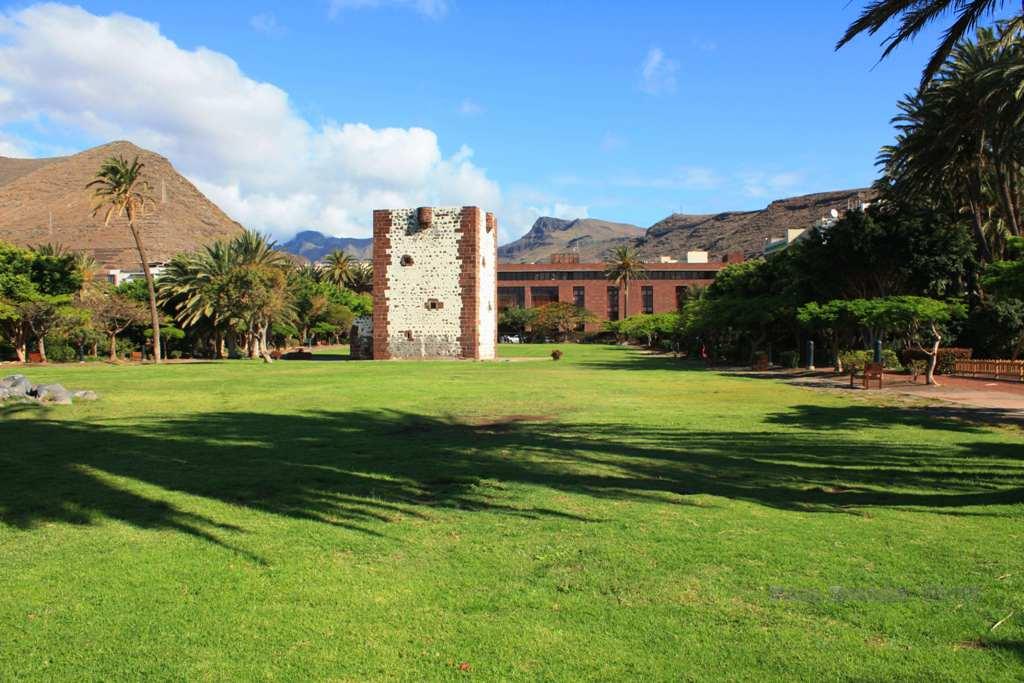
(45, 201)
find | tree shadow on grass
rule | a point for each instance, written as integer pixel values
(361, 470)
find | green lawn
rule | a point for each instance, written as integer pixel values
(608, 516)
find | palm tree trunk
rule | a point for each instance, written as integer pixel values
(625, 300)
(153, 314)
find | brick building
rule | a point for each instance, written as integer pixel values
(434, 283)
(530, 285)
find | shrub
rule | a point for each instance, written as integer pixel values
(6, 350)
(948, 357)
(61, 353)
(789, 359)
(556, 355)
(175, 354)
(856, 360)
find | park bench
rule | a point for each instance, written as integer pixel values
(35, 357)
(137, 356)
(872, 373)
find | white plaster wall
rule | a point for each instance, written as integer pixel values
(488, 291)
(433, 274)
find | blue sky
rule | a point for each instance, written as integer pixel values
(312, 113)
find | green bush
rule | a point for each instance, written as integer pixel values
(789, 359)
(175, 354)
(60, 352)
(948, 357)
(858, 359)
(6, 350)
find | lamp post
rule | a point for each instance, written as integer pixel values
(810, 354)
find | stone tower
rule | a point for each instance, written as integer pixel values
(435, 283)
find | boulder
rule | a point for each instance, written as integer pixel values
(52, 393)
(85, 395)
(16, 385)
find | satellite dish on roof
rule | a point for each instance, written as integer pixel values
(835, 214)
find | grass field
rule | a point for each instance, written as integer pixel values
(609, 516)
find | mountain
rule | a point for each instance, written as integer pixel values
(743, 230)
(45, 201)
(315, 245)
(589, 237)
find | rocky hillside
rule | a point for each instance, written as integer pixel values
(589, 237)
(743, 230)
(315, 245)
(45, 201)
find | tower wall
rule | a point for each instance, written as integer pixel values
(435, 283)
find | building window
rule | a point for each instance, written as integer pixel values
(599, 275)
(406, 260)
(613, 303)
(542, 296)
(647, 298)
(682, 296)
(579, 297)
(511, 297)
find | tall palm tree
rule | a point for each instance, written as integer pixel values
(360, 279)
(960, 142)
(338, 267)
(120, 191)
(912, 16)
(622, 267)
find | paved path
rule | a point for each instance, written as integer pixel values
(974, 399)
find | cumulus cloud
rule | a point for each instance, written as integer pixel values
(658, 73)
(240, 140)
(435, 9)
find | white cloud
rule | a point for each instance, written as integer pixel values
(239, 140)
(683, 178)
(267, 24)
(611, 142)
(658, 73)
(435, 9)
(764, 184)
(526, 204)
(11, 146)
(470, 108)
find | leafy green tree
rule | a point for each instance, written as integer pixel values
(561, 319)
(112, 313)
(917, 321)
(650, 328)
(890, 249)
(517, 319)
(121, 191)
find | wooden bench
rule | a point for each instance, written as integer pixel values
(872, 373)
(137, 356)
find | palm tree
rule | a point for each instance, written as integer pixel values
(338, 267)
(960, 142)
(913, 16)
(120, 191)
(622, 267)
(360, 279)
